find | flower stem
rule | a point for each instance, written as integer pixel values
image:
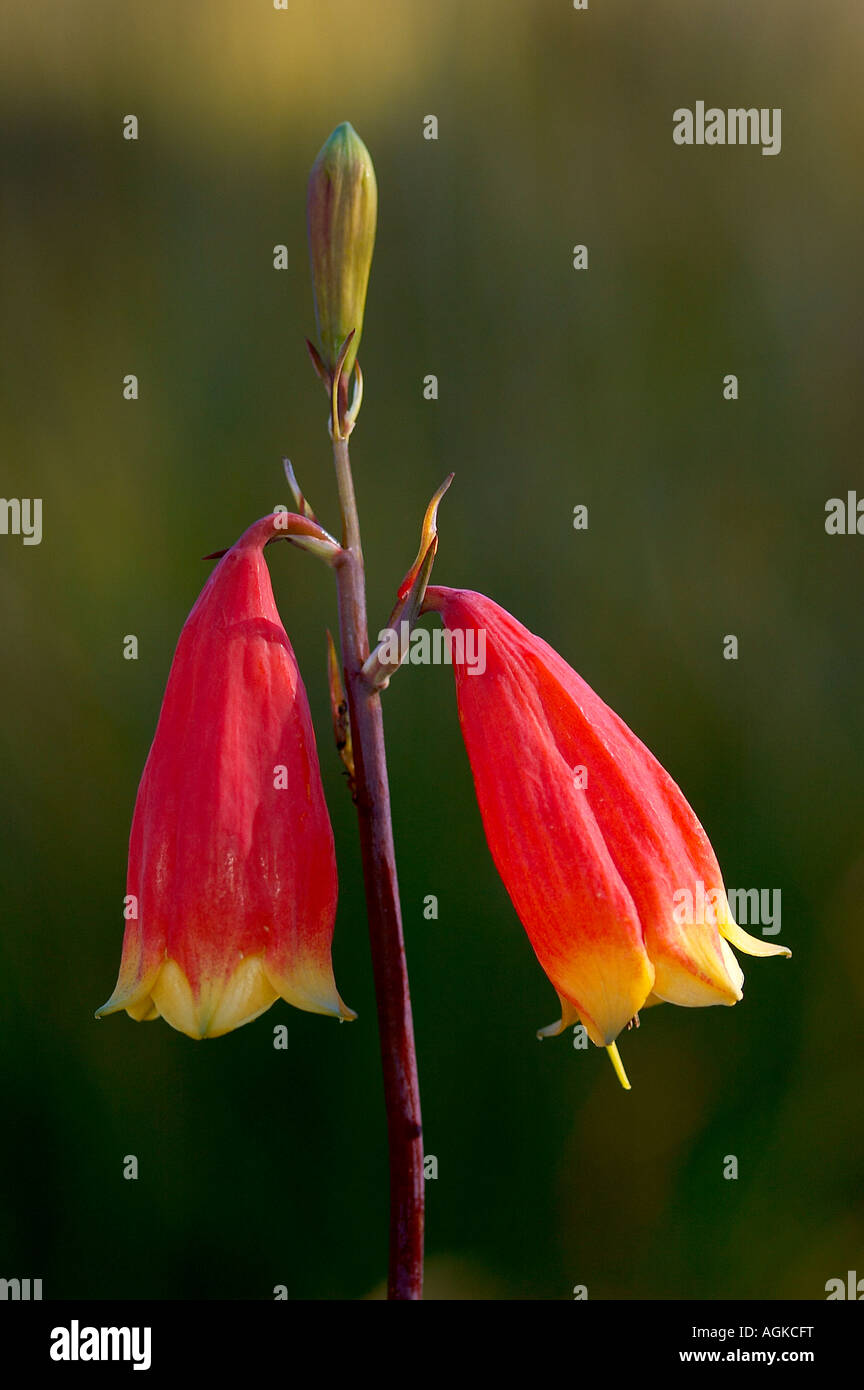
(395, 1025)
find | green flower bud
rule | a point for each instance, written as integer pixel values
(341, 211)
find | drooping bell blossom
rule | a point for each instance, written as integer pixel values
(606, 864)
(231, 888)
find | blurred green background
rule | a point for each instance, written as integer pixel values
(603, 387)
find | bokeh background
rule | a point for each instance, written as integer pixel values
(260, 1167)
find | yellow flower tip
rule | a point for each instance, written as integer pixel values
(133, 996)
(569, 1017)
(218, 1005)
(750, 945)
(551, 1030)
(309, 986)
(615, 1059)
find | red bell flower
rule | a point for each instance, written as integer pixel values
(595, 843)
(231, 890)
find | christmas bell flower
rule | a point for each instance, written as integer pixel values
(232, 887)
(596, 845)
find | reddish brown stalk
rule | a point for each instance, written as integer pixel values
(395, 1025)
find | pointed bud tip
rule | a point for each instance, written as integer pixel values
(342, 147)
(342, 136)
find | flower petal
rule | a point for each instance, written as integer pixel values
(750, 945)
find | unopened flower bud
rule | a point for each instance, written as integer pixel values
(341, 208)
